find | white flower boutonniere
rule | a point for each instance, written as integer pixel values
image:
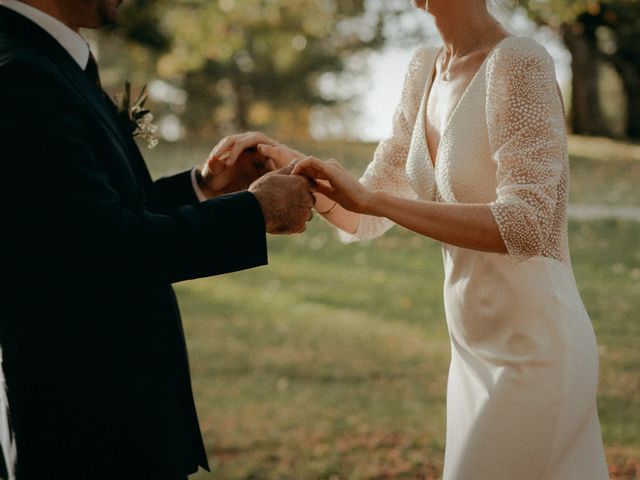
(139, 119)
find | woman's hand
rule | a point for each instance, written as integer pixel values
(338, 184)
(229, 149)
(280, 154)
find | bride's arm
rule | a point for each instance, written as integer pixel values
(470, 226)
(528, 144)
(337, 215)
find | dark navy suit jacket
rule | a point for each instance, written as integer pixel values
(94, 353)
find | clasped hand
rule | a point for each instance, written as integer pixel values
(286, 200)
(329, 181)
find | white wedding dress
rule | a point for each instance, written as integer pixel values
(521, 397)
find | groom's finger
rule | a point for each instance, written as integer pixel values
(312, 187)
(214, 166)
(270, 165)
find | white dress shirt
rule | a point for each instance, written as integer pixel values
(74, 44)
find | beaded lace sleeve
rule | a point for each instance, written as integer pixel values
(387, 170)
(528, 142)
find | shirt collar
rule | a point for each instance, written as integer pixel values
(71, 41)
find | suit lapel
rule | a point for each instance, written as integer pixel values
(95, 99)
(104, 108)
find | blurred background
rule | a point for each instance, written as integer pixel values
(334, 68)
(331, 363)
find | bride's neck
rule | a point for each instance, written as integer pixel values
(461, 23)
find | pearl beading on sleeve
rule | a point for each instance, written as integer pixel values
(527, 137)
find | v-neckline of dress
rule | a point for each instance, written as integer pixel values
(431, 160)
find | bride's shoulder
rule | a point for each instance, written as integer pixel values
(422, 62)
(425, 55)
(516, 53)
(427, 52)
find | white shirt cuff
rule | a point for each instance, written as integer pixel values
(194, 182)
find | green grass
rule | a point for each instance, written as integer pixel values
(331, 363)
(604, 171)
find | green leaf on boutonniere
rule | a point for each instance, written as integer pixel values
(138, 118)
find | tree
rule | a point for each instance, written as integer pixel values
(622, 22)
(246, 64)
(596, 32)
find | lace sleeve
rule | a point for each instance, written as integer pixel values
(387, 170)
(528, 142)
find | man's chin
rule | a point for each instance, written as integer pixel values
(109, 15)
(111, 19)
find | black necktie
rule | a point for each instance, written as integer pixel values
(92, 71)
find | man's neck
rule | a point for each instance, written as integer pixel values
(54, 9)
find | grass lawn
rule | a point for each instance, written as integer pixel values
(331, 363)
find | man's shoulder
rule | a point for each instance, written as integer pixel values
(25, 71)
(23, 46)
(18, 59)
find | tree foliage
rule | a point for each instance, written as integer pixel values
(247, 63)
(597, 32)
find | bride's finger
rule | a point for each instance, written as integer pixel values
(245, 142)
(282, 155)
(239, 146)
(223, 146)
(324, 189)
(314, 168)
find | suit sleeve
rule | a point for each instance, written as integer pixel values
(176, 190)
(59, 203)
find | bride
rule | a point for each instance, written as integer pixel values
(478, 161)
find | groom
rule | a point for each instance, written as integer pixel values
(93, 351)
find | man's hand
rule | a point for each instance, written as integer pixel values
(286, 201)
(216, 177)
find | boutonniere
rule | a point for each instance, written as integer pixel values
(137, 117)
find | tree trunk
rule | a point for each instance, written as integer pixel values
(631, 80)
(586, 114)
(630, 76)
(633, 105)
(243, 99)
